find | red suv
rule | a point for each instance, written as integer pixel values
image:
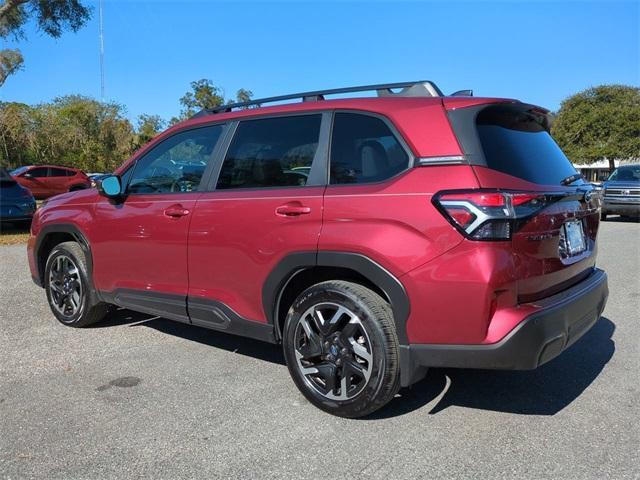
(372, 237)
(45, 181)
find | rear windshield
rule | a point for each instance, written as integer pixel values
(516, 142)
(18, 170)
(626, 174)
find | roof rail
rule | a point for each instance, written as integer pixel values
(421, 88)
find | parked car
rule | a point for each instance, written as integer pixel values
(16, 202)
(430, 231)
(622, 192)
(45, 181)
(94, 178)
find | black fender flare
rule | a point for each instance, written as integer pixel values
(69, 228)
(292, 264)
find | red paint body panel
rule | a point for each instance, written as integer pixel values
(45, 187)
(137, 246)
(451, 296)
(393, 222)
(237, 238)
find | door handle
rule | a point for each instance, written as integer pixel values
(292, 210)
(176, 211)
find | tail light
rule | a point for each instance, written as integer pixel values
(489, 214)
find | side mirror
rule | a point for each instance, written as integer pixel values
(110, 186)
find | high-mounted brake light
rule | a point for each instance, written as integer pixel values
(488, 214)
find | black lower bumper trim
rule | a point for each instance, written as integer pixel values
(562, 320)
(621, 209)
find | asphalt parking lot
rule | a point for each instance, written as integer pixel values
(141, 397)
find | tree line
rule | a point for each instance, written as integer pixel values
(81, 132)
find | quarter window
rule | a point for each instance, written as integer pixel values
(175, 164)
(363, 149)
(272, 152)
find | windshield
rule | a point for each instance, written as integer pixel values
(18, 170)
(516, 142)
(5, 179)
(626, 174)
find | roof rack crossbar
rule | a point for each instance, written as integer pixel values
(422, 88)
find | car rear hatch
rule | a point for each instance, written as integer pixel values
(530, 195)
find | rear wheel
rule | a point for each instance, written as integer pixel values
(69, 289)
(341, 348)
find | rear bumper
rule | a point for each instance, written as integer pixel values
(557, 323)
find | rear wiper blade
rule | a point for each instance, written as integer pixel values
(571, 178)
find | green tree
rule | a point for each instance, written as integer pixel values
(17, 134)
(600, 122)
(52, 17)
(72, 130)
(203, 94)
(148, 127)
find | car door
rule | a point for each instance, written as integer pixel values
(140, 243)
(57, 180)
(35, 179)
(264, 206)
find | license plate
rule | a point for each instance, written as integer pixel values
(574, 235)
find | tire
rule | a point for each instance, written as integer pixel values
(603, 216)
(344, 360)
(69, 289)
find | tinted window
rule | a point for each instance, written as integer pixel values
(626, 174)
(273, 152)
(57, 172)
(5, 179)
(363, 149)
(69, 173)
(516, 142)
(176, 164)
(38, 172)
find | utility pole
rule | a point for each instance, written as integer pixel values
(101, 53)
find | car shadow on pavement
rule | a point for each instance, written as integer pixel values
(232, 343)
(544, 391)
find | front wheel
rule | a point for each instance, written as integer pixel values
(342, 349)
(69, 289)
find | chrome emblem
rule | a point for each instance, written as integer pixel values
(587, 196)
(626, 192)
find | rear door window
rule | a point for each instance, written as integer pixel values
(57, 172)
(516, 142)
(271, 152)
(364, 149)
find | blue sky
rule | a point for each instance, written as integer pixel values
(539, 51)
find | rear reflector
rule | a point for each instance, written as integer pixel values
(489, 214)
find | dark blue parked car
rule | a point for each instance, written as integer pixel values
(16, 202)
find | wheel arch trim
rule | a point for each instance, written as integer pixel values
(292, 264)
(68, 228)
